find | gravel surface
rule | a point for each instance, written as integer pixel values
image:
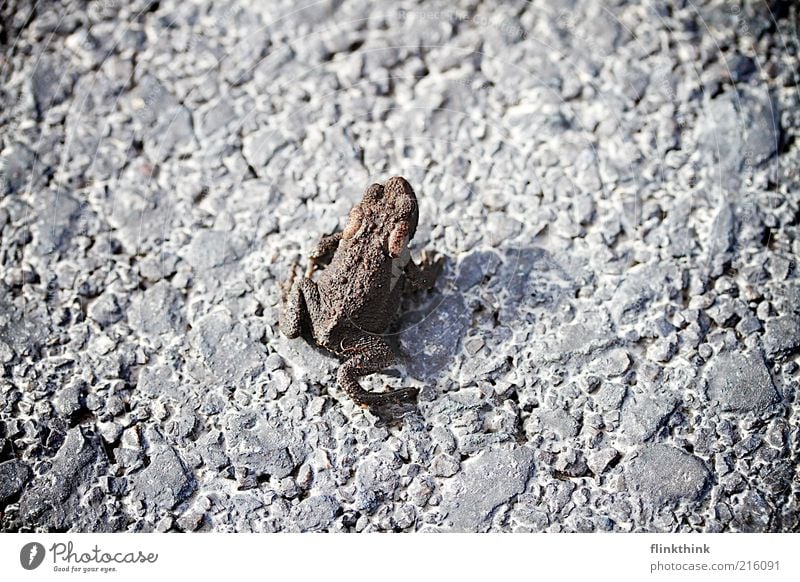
(613, 344)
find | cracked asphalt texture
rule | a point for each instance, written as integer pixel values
(613, 345)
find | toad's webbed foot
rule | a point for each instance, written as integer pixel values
(424, 275)
(364, 355)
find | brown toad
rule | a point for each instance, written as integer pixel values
(357, 294)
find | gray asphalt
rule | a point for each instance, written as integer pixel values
(613, 344)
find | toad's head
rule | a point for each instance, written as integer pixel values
(387, 211)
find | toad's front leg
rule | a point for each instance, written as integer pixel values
(364, 355)
(323, 252)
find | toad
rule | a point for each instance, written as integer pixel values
(364, 270)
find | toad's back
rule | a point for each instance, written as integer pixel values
(360, 289)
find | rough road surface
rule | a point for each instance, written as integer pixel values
(614, 342)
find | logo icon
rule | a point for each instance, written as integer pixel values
(31, 555)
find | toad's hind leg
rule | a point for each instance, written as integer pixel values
(299, 305)
(364, 355)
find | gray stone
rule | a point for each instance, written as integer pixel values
(165, 482)
(639, 287)
(190, 521)
(260, 147)
(262, 448)
(226, 348)
(105, 310)
(168, 124)
(110, 431)
(430, 338)
(491, 479)
(59, 215)
(592, 332)
(721, 137)
(741, 67)
(157, 310)
(159, 380)
(663, 349)
(740, 130)
(599, 461)
(130, 454)
(741, 382)
(210, 249)
(786, 295)
(376, 480)
(159, 267)
(610, 396)
(13, 476)
(476, 267)
(614, 363)
(529, 278)
(762, 126)
(747, 445)
(217, 116)
(20, 329)
(782, 336)
(778, 476)
(644, 414)
(16, 167)
(751, 514)
(723, 312)
(571, 463)
(141, 219)
(558, 421)
(172, 134)
(445, 465)
(316, 513)
(52, 500)
(68, 400)
(665, 475)
(211, 447)
(420, 491)
(748, 325)
(51, 83)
